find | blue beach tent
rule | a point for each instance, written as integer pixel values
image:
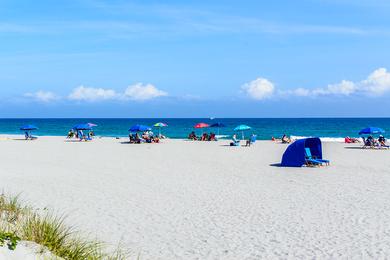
(295, 154)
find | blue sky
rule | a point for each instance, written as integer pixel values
(96, 58)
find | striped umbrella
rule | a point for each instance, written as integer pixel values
(159, 125)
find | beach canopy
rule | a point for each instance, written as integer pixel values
(295, 154)
(28, 128)
(201, 125)
(242, 128)
(82, 127)
(160, 124)
(218, 125)
(139, 128)
(371, 131)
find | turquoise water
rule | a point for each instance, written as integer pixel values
(264, 128)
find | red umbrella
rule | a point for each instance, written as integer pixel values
(201, 125)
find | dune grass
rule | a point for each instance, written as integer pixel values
(50, 232)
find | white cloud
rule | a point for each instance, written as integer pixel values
(138, 91)
(42, 96)
(376, 84)
(345, 88)
(259, 88)
(141, 91)
(92, 94)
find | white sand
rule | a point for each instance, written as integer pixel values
(195, 200)
(26, 251)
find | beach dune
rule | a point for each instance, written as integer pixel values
(206, 200)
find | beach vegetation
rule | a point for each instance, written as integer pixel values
(19, 222)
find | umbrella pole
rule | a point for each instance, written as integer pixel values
(243, 137)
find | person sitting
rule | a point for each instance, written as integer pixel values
(71, 134)
(212, 137)
(285, 139)
(131, 138)
(156, 139)
(192, 136)
(205, 137)
(251, 140)
(91, 134)
(382, 140)
(355, 140)
(369, 141)
(137, 139)
(235, 141)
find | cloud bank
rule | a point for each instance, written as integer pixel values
(136, 92)
(376, 84)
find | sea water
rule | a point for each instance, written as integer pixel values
(332, 129)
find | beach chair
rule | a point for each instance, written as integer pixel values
(235, 143)
(28, 136)
(313, 160)
(251, 140)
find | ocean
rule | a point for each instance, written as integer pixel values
(264, 128)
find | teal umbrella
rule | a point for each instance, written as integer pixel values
(242, 128)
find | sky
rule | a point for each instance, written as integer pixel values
(116, 58)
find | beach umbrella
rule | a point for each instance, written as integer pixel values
(201, 125)
(82, 127)
(139, 128)
(242, 128)
(371, 131)
(28, 128)
(159, 126)
(218, 125)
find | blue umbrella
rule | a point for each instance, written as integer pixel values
(139, 128)
(218, 125)
(371, 131)
(242, 128)
(82, 127)
(28, 128)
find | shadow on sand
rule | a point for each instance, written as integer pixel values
(355, 148)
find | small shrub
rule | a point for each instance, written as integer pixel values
(10, 239)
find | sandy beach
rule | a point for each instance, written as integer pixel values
(206, 200)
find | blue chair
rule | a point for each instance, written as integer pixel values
(313, 160)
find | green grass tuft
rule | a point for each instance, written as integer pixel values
(50, 232)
